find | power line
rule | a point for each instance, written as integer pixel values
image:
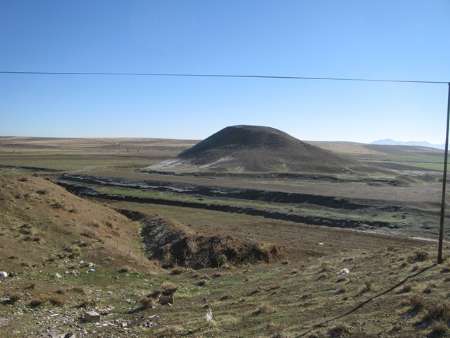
(242, 76)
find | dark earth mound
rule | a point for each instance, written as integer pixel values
(260, 149)
(176, 244)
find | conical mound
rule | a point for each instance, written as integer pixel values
(256, 149)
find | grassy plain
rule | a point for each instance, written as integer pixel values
(329, 282)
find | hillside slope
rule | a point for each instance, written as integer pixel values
(41, 223)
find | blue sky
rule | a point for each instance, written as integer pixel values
(407, 39)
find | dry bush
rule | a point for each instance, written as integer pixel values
(405, 289)
(324, 267)
(438, 312)
(438, 330)
(56, 301)
(416, 302)
(177, 271)
(78, 290)
(340, 290)
(168, 288)
(418, 256)
(201, 282)
(146, 303)
(124, 269)
(166, 299)
(36, 302)
(94, 224)
(154, 294)
(339, 331)
(169, 331)
(367, 287)
(445, 269)
(57, 205)
(217, 274)
(11, 299)
(263, 309)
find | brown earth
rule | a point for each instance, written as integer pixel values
(174, 243)
(41, 222)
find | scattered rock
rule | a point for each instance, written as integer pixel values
(166, 300)
(3, 275)
(209, 315)
(90, 317)
(201, 282)
(344, 272)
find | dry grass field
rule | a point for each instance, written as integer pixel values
(67, 255)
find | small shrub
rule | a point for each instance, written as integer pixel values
(57, 205)
(438, 330)
(445, 270)
(146, 303)
(217, 274)
(56, 301)
(94, 224)
(340, 290)
(168, 288)
(338, 331)
(324, 267)
(405, 289)
(78, 290)
(438, 312)
(176, 271)
(427, 290)
(417, 303)
(11, 299)
(221, 260)
(201, 282)
(124, 269)
(36, 302)
(30, 286)
(418, 256)
(154, 294)
(367, 287)
(263, 309)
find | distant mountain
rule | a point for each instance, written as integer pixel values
(391, 142)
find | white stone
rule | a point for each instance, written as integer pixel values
(209, 315)
(91, 316)
(3, 275)
(344, 271)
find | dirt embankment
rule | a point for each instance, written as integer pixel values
(42, 223)
(316, 220)
(176, 244)
(245, 194)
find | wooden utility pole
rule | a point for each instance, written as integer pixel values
(444, 184)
